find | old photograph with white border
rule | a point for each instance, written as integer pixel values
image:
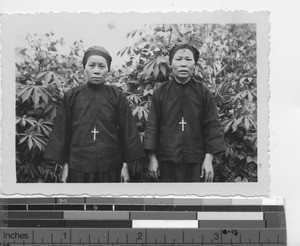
(42, 59)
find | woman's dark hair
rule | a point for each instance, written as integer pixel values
(190, 47)
(99, 51)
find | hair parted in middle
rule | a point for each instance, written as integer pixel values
(188, 46)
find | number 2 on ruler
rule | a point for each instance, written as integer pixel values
(139, 236)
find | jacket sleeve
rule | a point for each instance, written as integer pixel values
(212, 128)
(153, 123)
(58, 148)
(131, 145)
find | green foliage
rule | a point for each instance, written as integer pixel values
(44, 71)
(227, 66)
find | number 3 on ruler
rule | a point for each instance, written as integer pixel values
(216, 236)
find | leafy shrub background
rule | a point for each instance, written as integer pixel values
(227, 66)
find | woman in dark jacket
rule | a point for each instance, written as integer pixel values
(183, 130)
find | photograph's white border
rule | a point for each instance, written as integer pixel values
(9, 186)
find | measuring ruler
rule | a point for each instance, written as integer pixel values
(94, 221)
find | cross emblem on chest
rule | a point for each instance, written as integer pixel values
(182, 123)
(94, 132)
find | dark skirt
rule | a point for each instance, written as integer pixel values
(110, 176)
(179, 172)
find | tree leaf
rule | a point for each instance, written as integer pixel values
(247, 123)
(129, 50)
(24, 120)
(140, 113)
(53, 113)
(238, 179)
(236, 123)
(56, 79)
(134, 99)
(27, 94)
(23, 139)
(149, 69)
(133, 34)
(41, 75)
(44, 96)
(163, 69)
(48, 108)
(48, 76)
(250, 97)
(240, 156)
(243, 79)
(37, 143)
(22, 91)
(36, 97)
(253, 123)
(30, 120)
(228, 125)
(123, 52)
(45, 90)
(155, 70)
(18, 119)
(30, 143)
(135, 111)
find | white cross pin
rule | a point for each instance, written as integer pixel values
(182, 123)
(94, 132)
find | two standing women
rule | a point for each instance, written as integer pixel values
(95, 133)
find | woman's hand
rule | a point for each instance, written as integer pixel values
(153, 166)
(64, 175)
(125, 173)
(207, 169)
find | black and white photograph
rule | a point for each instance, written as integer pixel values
(156, 103)
(149, 105)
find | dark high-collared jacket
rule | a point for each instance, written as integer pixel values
(191, 105)
(94, 130)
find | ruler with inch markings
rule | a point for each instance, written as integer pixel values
(142, 221)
